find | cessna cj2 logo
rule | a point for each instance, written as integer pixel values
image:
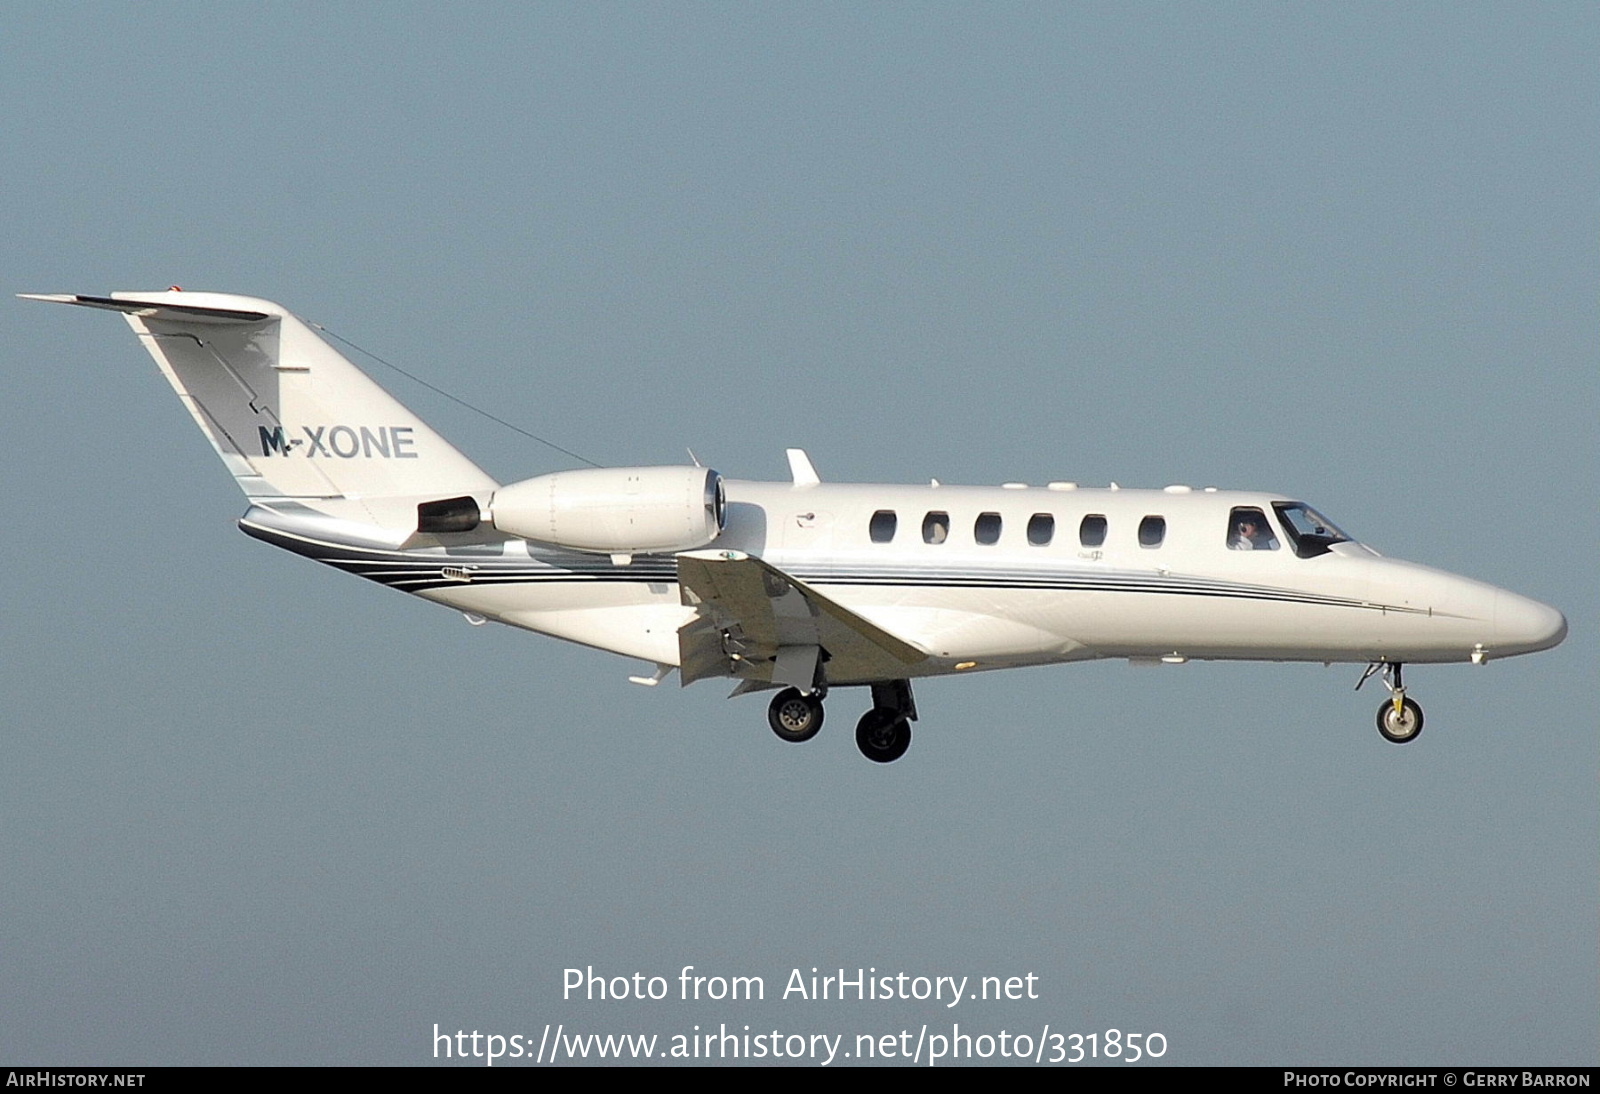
(344, 442)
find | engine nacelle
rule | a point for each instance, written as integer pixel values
(615, 510)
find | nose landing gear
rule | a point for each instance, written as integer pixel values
(1399, 718)
(1400, 721)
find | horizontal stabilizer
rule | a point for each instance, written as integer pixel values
(154, 309)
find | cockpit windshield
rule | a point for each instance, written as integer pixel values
(1310, 532)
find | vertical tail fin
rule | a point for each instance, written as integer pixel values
(292, 419)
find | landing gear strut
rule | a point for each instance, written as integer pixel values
(1399, 718)
(884, 732)
(794, 715)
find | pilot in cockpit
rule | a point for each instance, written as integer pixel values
(1250, 532)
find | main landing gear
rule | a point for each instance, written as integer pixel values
(882, 735)
(1399, 718)
(794, 715)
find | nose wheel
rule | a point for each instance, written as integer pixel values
(1399, 718)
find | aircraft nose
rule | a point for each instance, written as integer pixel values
(1526, 626)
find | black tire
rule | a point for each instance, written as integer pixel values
(795, 716)
(883, 735)
(1402, 728)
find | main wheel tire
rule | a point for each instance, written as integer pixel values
(883, 735)
(1400, 727)
(795, 716)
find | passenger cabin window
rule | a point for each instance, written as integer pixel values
(1310, 532)
(1092, 531)
(1248, 530)
(1152, 530)
(883, 525)
(936, 527)
(986, 529)
(1041, 529)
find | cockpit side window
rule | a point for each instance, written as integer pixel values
(1309, 531)
(883, 526)
(1248, 530)
(936, 527)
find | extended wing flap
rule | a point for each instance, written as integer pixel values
(757, 622)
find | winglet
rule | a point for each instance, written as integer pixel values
(800, 467)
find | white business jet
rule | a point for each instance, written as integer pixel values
(802, 586)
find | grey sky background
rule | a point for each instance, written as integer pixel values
(255, 811)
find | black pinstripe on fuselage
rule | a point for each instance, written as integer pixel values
(423, 569)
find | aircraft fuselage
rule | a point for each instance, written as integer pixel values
(1066, 574)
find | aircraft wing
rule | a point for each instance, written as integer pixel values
(759, 624)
